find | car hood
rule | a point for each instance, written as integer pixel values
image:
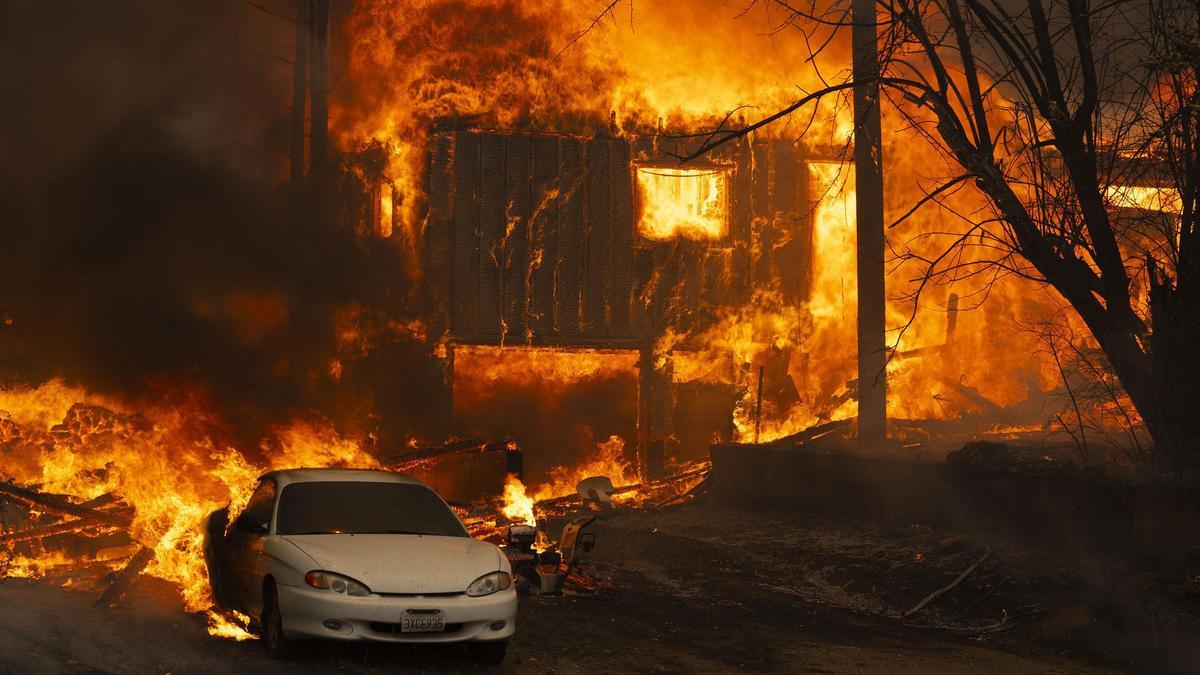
(402, 563)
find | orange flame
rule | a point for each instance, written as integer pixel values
(163, 461)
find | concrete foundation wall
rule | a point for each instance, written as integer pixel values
(1062, 509)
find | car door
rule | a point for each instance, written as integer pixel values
(245, 545)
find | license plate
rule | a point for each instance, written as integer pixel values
(423, 622)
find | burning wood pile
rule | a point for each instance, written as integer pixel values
(51, 534)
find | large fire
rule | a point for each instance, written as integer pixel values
(167, 461)
(504, 64)
(413, 63)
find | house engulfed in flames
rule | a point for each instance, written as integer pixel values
(607, 248)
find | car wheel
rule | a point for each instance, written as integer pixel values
(488, 652)
(277, 644)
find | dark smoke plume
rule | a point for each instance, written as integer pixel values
(147, 236)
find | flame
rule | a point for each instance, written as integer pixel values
(165, 461)
(518, 505)
(414, 64)
(682, 202)
(551, 369)
(609, 461)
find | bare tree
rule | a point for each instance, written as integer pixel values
(1052, 111)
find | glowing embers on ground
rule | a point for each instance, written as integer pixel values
(688, 203)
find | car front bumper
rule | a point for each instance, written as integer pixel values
(306, 612)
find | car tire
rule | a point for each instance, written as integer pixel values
(491, 653)
(277, 644)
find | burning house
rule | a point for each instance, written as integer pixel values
(607, 248)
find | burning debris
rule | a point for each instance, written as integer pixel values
(80, 508)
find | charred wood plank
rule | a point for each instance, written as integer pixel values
(440, 252)
(543, 233)
(760, 178)
(621, 260)
(125, 577)
(516, 270)
(40, 502)
(100, 502)
(77, 526)
(569, 270)
(492, 223)
(457, 448)
(804, 226)
(789, 265)
(812, 433)
(466, 234)
(597, 239)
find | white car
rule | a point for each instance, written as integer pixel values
(346, 554)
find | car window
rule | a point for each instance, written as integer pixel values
(258, 509)
(361, 507)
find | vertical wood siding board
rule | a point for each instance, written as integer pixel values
(466, 234)
(643, 274)
(805, 237)
(761, 209)
(622, 240)
(569, 268)
(740, 216)
(440, 235)
(543, 232)
(597, 239)
(516, 274)
(786, 185)
(760, 199)
(492, 205)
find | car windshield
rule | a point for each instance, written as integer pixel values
(348, 507)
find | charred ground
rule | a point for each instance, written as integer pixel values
(710, 587)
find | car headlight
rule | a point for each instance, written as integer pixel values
(489, 583)
(336, 583)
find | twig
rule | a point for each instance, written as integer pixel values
(578, 36)
(987, 595)
(948, 587)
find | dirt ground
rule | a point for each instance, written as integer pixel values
(702, 587)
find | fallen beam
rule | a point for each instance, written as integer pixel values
(125, 578)
(465, 447)
(70, 527)
(45, 503)
(649, 486)
(812, 433)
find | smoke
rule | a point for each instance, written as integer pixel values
(145, 237)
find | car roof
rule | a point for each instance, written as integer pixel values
(288, 476)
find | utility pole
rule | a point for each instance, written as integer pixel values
(299, 97)
(868, 168)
